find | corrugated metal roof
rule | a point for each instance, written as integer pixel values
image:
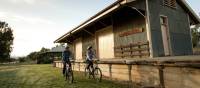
(91, 19)
(117, 4)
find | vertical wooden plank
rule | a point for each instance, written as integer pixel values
(110, 70)
(161, 76)
(122, 53)
(140, 54)
(129, 73)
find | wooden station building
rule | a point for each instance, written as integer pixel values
(134, 30)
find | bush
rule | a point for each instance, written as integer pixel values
(22, 59)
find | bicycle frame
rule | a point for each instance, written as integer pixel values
(69, 73)
(94, 66)
(92, 69)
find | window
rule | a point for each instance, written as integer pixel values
(170, 3)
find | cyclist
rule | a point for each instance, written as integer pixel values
(65, 58)
(89, 57)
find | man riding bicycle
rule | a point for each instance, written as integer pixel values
(89, 57)
(65, 58)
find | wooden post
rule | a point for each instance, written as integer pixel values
(79, 67)
(110, 70)
(129, 73)
(131, 50)
(148, 50)
(161, 76)
(122, 52)
(148, 28)
(140, 54)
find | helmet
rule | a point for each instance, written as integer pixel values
(89, 47)
(67, 47)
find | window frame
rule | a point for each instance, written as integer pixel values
(169, 3)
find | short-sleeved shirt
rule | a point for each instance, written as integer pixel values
(90, 55)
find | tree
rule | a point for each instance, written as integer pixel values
(38, 56)
(33, 56)
(6, 41)
(44, 50)
(22, 59)
(195, 35)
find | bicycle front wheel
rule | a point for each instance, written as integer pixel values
(98, 74)
(86, 73)
(70, 77)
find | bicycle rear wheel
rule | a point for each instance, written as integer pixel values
(86, 72)
(69, 76)
(98, 74)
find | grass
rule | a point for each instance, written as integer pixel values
(46, 76)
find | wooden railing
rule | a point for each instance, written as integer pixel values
(139, 49)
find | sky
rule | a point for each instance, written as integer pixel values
(38, 23)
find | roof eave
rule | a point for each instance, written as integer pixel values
(196, 17)
(97, 16)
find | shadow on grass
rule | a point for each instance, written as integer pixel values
(45, 76)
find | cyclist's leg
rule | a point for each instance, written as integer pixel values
(87, 64)
(91, 65)
(64, 67)
(69, 64)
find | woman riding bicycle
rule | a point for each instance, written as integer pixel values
(89, 57)
(91, 70)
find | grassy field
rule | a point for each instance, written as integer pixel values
(45, 76)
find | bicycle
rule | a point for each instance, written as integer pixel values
(94, 71)
(69, 74)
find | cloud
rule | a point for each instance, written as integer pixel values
(19, 18)
(23, 1)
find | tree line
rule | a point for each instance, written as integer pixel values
(39, 57)
(6, 42)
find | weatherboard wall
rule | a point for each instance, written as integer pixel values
(179, 29)
(121, 24)
(128, 21)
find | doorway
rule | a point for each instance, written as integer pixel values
(165, 35)
(105, 42)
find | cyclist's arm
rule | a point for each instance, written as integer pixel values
(62, 56)
(70, 55)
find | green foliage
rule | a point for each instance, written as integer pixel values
(33, 56)
(43, 57)
(44, 50)
(22, 59)
(38, 56)
(45, 60)
(6, 41)
(195, 35)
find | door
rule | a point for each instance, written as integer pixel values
(165, 35)
(78, 49)
(105, 41)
